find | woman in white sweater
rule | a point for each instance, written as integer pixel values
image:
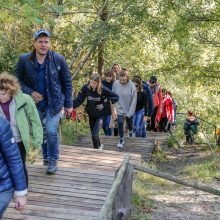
(126, 105)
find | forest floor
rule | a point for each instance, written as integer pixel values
(158, 199)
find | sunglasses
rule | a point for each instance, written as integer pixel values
(152, 82)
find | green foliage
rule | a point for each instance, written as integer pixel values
(176, 40)
(205, 170)
(70, 130)
(173, 142)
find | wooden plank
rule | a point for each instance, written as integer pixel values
(65, 199)
(77, 191)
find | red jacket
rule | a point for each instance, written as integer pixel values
(167, 110)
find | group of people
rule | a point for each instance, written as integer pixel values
(140, 105)
(31, 103)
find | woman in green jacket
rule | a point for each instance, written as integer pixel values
(20, 110)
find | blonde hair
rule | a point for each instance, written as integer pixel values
(115, 64)
(97, 78)
(9, 83)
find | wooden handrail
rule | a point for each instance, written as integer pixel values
(106, 210)
(172, 178)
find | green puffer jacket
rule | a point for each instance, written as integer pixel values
(27, 120)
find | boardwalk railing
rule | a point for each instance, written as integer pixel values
(118, 202)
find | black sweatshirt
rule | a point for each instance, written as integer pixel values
(96, 103)
(142, 100)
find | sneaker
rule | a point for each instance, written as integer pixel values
(52, 167)
(45, 162)
(121, 143)
(101, 147)
(131, 134)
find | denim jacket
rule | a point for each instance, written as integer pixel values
(57, 79)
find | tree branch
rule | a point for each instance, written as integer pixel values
(92, 49)
(75, 55)
(203, 39)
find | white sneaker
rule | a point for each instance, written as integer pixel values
(121, 143)
(101, 147)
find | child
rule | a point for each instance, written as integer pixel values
(108, 82)
(20, 110)
(12, 172)
(97, 98)
(126, 106)
(190, 127)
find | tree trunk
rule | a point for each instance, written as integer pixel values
(103, 14)
(101, 58)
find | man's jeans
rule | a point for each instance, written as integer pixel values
(5, 198)
(121, 124)
(50, 146)
(138, 122)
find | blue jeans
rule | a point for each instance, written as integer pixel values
(138, 122)
(106, 124)
(95, 123)
(5, 198)
(121, 124)
(50, 146)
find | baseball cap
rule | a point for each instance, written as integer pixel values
(41, 31)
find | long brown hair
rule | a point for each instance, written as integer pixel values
(97, 78)
(9, 83)
(138, 81)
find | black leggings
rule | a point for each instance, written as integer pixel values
(95, 124)
(23, 158)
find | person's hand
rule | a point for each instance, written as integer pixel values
(68, 111)
(147, 118)
(37, 97)
(20, 202)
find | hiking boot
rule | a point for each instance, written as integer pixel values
(101, 147)
(52, 167)
(45, 162)
(121, 143)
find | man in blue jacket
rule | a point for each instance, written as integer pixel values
(12, 178)
(45, 76)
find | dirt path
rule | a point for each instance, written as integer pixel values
(173, 201)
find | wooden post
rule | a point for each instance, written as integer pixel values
(117, 204)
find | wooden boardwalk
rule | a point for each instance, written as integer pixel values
(84, 179)
(78, 190)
